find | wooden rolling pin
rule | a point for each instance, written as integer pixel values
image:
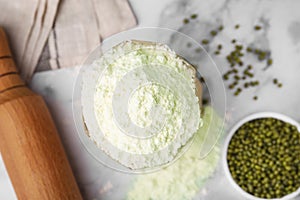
(30, 146)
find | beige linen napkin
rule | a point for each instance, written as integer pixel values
(80, 26)
(63, 31)
(27, 24)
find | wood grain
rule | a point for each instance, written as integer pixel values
(7, 65)
(14, 93)
(10, 81)
(33, 153)
(4, 47)
(30, 146)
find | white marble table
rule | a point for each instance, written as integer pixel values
(280, 34)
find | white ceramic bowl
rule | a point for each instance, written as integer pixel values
(228, 139)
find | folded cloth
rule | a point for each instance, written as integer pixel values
(27, 24)
(80, 26)
(63, 31)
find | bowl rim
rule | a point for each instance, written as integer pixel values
(158, 35)
(232, 131)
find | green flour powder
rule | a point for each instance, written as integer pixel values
(184, 178)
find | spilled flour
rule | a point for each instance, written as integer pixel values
(184, 178)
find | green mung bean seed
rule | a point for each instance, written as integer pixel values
(257, 28)
(213, 33)
(205, 41)
(186, 21)
(194, 16)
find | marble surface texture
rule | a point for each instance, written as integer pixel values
(280, 34)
